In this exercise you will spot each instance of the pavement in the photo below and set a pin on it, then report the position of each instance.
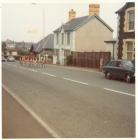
(75, 68)
(17, 122)
(74, 103)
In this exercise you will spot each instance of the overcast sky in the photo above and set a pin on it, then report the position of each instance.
(24, 21)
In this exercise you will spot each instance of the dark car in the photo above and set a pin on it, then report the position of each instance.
(120, 69)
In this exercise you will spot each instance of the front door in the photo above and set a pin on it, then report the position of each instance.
(61, 57)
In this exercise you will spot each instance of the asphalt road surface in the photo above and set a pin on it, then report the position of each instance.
(17, 122)
(73, 103)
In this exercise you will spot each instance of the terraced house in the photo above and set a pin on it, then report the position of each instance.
(82, 34)
(126, 32)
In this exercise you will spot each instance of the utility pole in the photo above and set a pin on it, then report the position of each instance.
(43, 25)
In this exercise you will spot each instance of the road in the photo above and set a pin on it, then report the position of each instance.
(73, 103)
(17, 122)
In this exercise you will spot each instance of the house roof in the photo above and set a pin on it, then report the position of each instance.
(122, 9)
(23, 45)
(76, 23)
(46, 43)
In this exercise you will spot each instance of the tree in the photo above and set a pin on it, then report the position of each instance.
(32, 49)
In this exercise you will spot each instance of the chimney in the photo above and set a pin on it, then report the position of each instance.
(94, 9)
(72, 14)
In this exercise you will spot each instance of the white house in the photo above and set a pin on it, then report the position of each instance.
(82, 34)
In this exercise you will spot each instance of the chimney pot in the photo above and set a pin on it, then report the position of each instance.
(72, 14)
(94, 9)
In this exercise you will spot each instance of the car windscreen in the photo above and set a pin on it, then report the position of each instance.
(112, 63)
(129, 64)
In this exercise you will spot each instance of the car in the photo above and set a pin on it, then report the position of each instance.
(11, 59)
(120, 69)
(4, 59)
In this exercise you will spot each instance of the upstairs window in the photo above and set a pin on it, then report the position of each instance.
(131, 19)
(68, 38)
(62, 38)
(57, 38)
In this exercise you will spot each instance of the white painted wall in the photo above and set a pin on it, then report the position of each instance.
(70, 46)
(91, 36)
(14, 53)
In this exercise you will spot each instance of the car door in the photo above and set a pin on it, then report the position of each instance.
(119, 69)
(113, 68)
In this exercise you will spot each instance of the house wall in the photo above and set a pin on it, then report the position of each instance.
(60, 50)
(123, 32)
(10, 45)
(91, 37)
(14, 53)
(71, 46)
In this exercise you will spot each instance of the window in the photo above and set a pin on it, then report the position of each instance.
(57, 38)
(119, 64)
(112, 63)
(131, 20)
(130, 50)
(68, 38)
(129, 46)
(62, 38)
(129, 63)
(129, 55)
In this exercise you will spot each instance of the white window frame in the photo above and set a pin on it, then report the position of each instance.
(68, 38)
(133, 47)
(129, 51)
(57, 38)
(126, 27)
(128, 14)
(62, 38)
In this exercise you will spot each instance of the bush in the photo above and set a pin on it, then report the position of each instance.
(21, 52)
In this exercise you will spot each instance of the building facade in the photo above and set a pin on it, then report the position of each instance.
(126, 32)
(82, 34)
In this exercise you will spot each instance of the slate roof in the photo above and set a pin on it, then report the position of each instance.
(76, 23)
(23, 45)
(46, 43)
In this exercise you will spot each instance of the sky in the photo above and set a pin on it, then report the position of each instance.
(26, 21)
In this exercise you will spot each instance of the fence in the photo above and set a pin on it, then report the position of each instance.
(33, 61)
(88, 59)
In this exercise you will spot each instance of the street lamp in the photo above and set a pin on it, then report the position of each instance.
(43, 24)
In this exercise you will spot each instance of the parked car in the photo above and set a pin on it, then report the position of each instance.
(4, 59)
(11, 59)
(121, 69)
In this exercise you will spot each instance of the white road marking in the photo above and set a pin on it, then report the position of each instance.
(75, 81)
(23, 68)
(33, 70)
(14, 66)
(125, 93)
(34, 115)
(8, 64)
(48, 74)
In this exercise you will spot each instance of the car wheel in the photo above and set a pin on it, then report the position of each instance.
(128, 78)
(108, 75)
